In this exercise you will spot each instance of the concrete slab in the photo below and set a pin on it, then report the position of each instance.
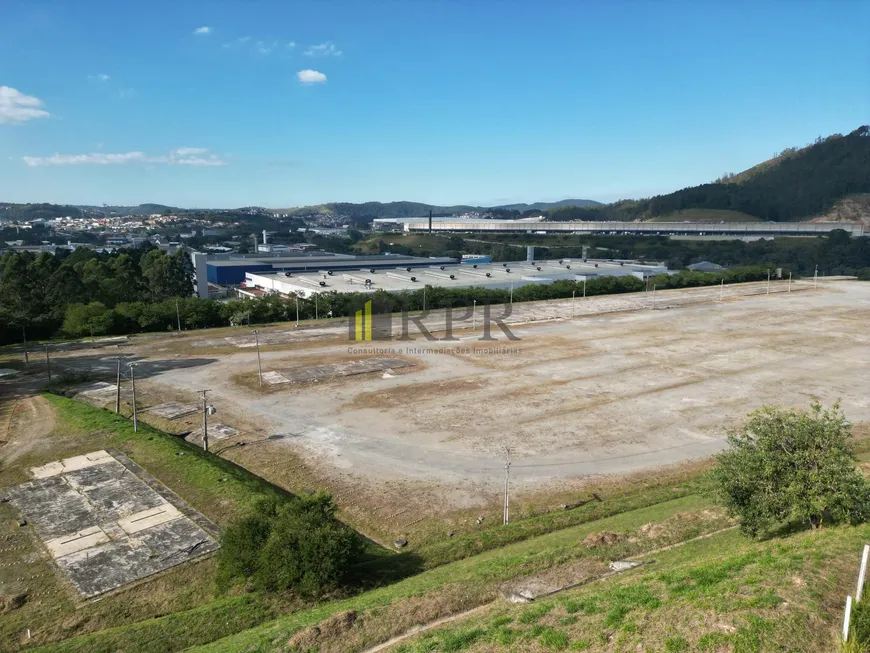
(221, 431)
(275, 378)
(71, 464)
(345, 368)
(94, 388)
(104, 525)
(75, 542)
(173, 410)
(116, 563)
(147, 518)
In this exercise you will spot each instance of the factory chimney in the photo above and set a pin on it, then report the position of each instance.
(430, 221)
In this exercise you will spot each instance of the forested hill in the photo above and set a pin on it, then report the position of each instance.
(369, 210)
(795, 185)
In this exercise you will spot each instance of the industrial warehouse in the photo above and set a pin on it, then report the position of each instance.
(415, 273)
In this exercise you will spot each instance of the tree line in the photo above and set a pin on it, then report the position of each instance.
(39, 292)
(98, 319)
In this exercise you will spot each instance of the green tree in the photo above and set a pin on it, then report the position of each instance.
(92, 319)
(295, 545)
(791, 466)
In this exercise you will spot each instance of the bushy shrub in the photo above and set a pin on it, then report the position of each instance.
(296, 545)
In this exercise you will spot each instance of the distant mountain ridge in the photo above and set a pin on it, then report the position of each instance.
(545, 206)
(830, 176)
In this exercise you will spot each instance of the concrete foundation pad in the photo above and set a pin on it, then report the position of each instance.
(345, 368)
(75, 542)
(95, 388)
(275, 378)
(106, 522)
(147, 518)
(71, 464)
(173, 410)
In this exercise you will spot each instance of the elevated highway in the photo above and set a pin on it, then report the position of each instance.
(736, 229)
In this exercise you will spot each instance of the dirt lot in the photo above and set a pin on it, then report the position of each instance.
(620, 388)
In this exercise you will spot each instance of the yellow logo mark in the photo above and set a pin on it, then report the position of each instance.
(363, 322)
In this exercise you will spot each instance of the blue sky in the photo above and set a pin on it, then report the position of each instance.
(290, 103)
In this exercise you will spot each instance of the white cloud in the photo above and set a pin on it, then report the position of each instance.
(326, 49)
(190, 156)
(15, 107)
(291, 44)
(311, 77)
(94, 158)
(102, 77)
(264, 47)
(126, 93)
(205, 29)
(187, 151)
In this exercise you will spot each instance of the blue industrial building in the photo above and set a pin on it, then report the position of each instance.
(231, 271)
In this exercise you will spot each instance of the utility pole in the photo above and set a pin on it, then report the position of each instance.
(722, 289)
(573, 312)
(473, 313)
(584, 287)
(507, 471)
(204, 421)
(654, 297)
(118, 388)
(26, 357)
(178, 314)
(815, 276)
(297, 311)
(48, 367)
(512, 293)
(133, 386)
(259, 365)
(424, 299)
(768, 282)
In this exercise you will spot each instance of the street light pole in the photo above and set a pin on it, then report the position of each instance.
(584, 287)
(507, 471)
(297, 311)
(789, 281)
(48, 367)
(204, 421)
(178, 314)
(133, 386)
(26, 357)
(573, 312)
(118, 388)
(815, 276)
(473, 313)
(259, 365)
(768, 282)
(316, 310)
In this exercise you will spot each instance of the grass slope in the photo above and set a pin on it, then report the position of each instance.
(480, 576)
(725, 593)
(52, 611)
